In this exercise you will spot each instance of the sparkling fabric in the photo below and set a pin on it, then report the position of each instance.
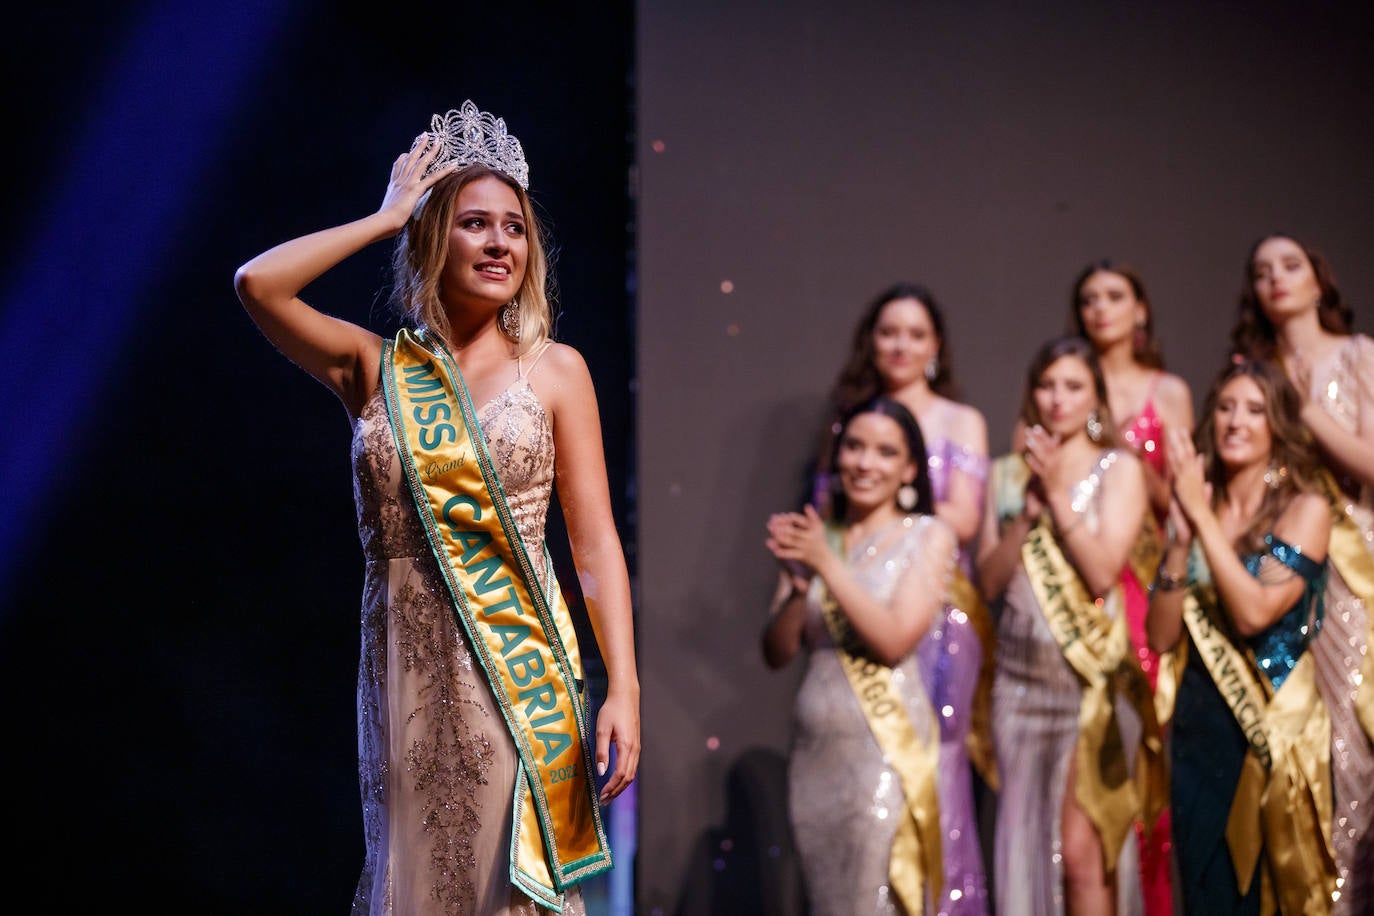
(1145, 434)
(950, 656)
(844, 800)
(1035, 705)
(1208, 748)
(437, 765)
(1344, 386)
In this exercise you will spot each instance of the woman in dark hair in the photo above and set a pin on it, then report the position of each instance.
(1110, 308)
(1072, 716)
(855, 595)
(1242, 579)
(901, 349)
(1292, 313)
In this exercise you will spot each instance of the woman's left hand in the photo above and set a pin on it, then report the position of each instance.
(617, 722)
(1185, 469)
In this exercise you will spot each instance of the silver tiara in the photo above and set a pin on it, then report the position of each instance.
(468, 136)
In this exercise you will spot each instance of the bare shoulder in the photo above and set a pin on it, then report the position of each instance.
(1173, 394)
(559, 375)
(966, 425)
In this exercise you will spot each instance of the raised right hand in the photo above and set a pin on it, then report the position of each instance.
(411, 178)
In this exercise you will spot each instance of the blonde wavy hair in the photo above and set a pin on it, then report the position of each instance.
(422, 250)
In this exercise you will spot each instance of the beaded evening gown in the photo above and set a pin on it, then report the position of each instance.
(844, 801)
(950, 658)
(437, 765)
(1035, 706)
(1208, 748)
(1343, 385)
(1145, 434)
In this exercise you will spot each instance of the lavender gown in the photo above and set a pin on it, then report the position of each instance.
(950, 656)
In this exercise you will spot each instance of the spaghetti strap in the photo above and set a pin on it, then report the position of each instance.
(520, 371)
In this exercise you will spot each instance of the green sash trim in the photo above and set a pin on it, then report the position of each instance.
(915, 863)
(525, 643)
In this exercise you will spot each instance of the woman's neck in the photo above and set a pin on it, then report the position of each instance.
(1302, 333)
(861, 523)
(1243, 497)
(1118, 359)
(917, 396)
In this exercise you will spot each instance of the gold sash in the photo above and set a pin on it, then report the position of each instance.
(1282, 804)
(1098, 648)
(964, 596)
(525, 642)
(917, 859)
(1349, 555)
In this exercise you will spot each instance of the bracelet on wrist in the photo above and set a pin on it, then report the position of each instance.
(1165, 582)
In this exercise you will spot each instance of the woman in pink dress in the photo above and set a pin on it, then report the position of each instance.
(1110, 308)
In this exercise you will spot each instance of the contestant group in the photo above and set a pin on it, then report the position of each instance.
(1135, 648)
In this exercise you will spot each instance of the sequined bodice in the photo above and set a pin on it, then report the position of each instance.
(944, 457)
(1145, 434)
(1278, 647)
(519, 439)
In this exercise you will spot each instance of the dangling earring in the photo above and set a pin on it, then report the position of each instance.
(906, 497)
(1094, 427)
(1139, 341)
(933, 369)
(509, 319)
(1275, 476)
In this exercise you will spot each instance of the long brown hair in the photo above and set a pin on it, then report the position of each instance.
(1253, 335)
(422, 250)
(1293, 454)
(1049, 354)
(1145, 348)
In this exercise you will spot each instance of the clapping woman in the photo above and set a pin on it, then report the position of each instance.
(1242, 583)
(855, 595)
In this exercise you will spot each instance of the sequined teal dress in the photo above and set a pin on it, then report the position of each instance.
(1209, 747)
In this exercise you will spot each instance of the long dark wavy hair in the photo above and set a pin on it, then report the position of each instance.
(1293, 451)
(1253, 336)
(1049, 354)
(1145, 347)
(859, 380)
(915, 443)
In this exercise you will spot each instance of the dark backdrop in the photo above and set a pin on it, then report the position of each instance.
(181, 569)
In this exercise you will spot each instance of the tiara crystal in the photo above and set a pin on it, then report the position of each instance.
(468, 136)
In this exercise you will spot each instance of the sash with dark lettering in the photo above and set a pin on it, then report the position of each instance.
(1098, 648)
(1281, 809)
(524, 640)
(1349, 555)
(916, 860)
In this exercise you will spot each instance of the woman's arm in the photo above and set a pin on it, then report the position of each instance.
(1164, 619)
(964, 495)
(341, 355)
(782, 635)
(1349, 452)
(1254, 604)
(564, 385)
(999, 548)
(1100, 555)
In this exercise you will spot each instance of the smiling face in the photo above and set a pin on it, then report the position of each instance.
(1064, 396)
(1108, 308)
(488, 248)
(1241, 425)
(874, 462)
(1284, 280)
(904, 342)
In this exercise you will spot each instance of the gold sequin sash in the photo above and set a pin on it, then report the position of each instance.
(1098, 649)
(1349, 555)
(525, 642)
(1281, 810)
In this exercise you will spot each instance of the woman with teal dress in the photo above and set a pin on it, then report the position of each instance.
(1239, 593)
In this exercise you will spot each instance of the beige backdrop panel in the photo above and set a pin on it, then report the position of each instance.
(803, 156)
